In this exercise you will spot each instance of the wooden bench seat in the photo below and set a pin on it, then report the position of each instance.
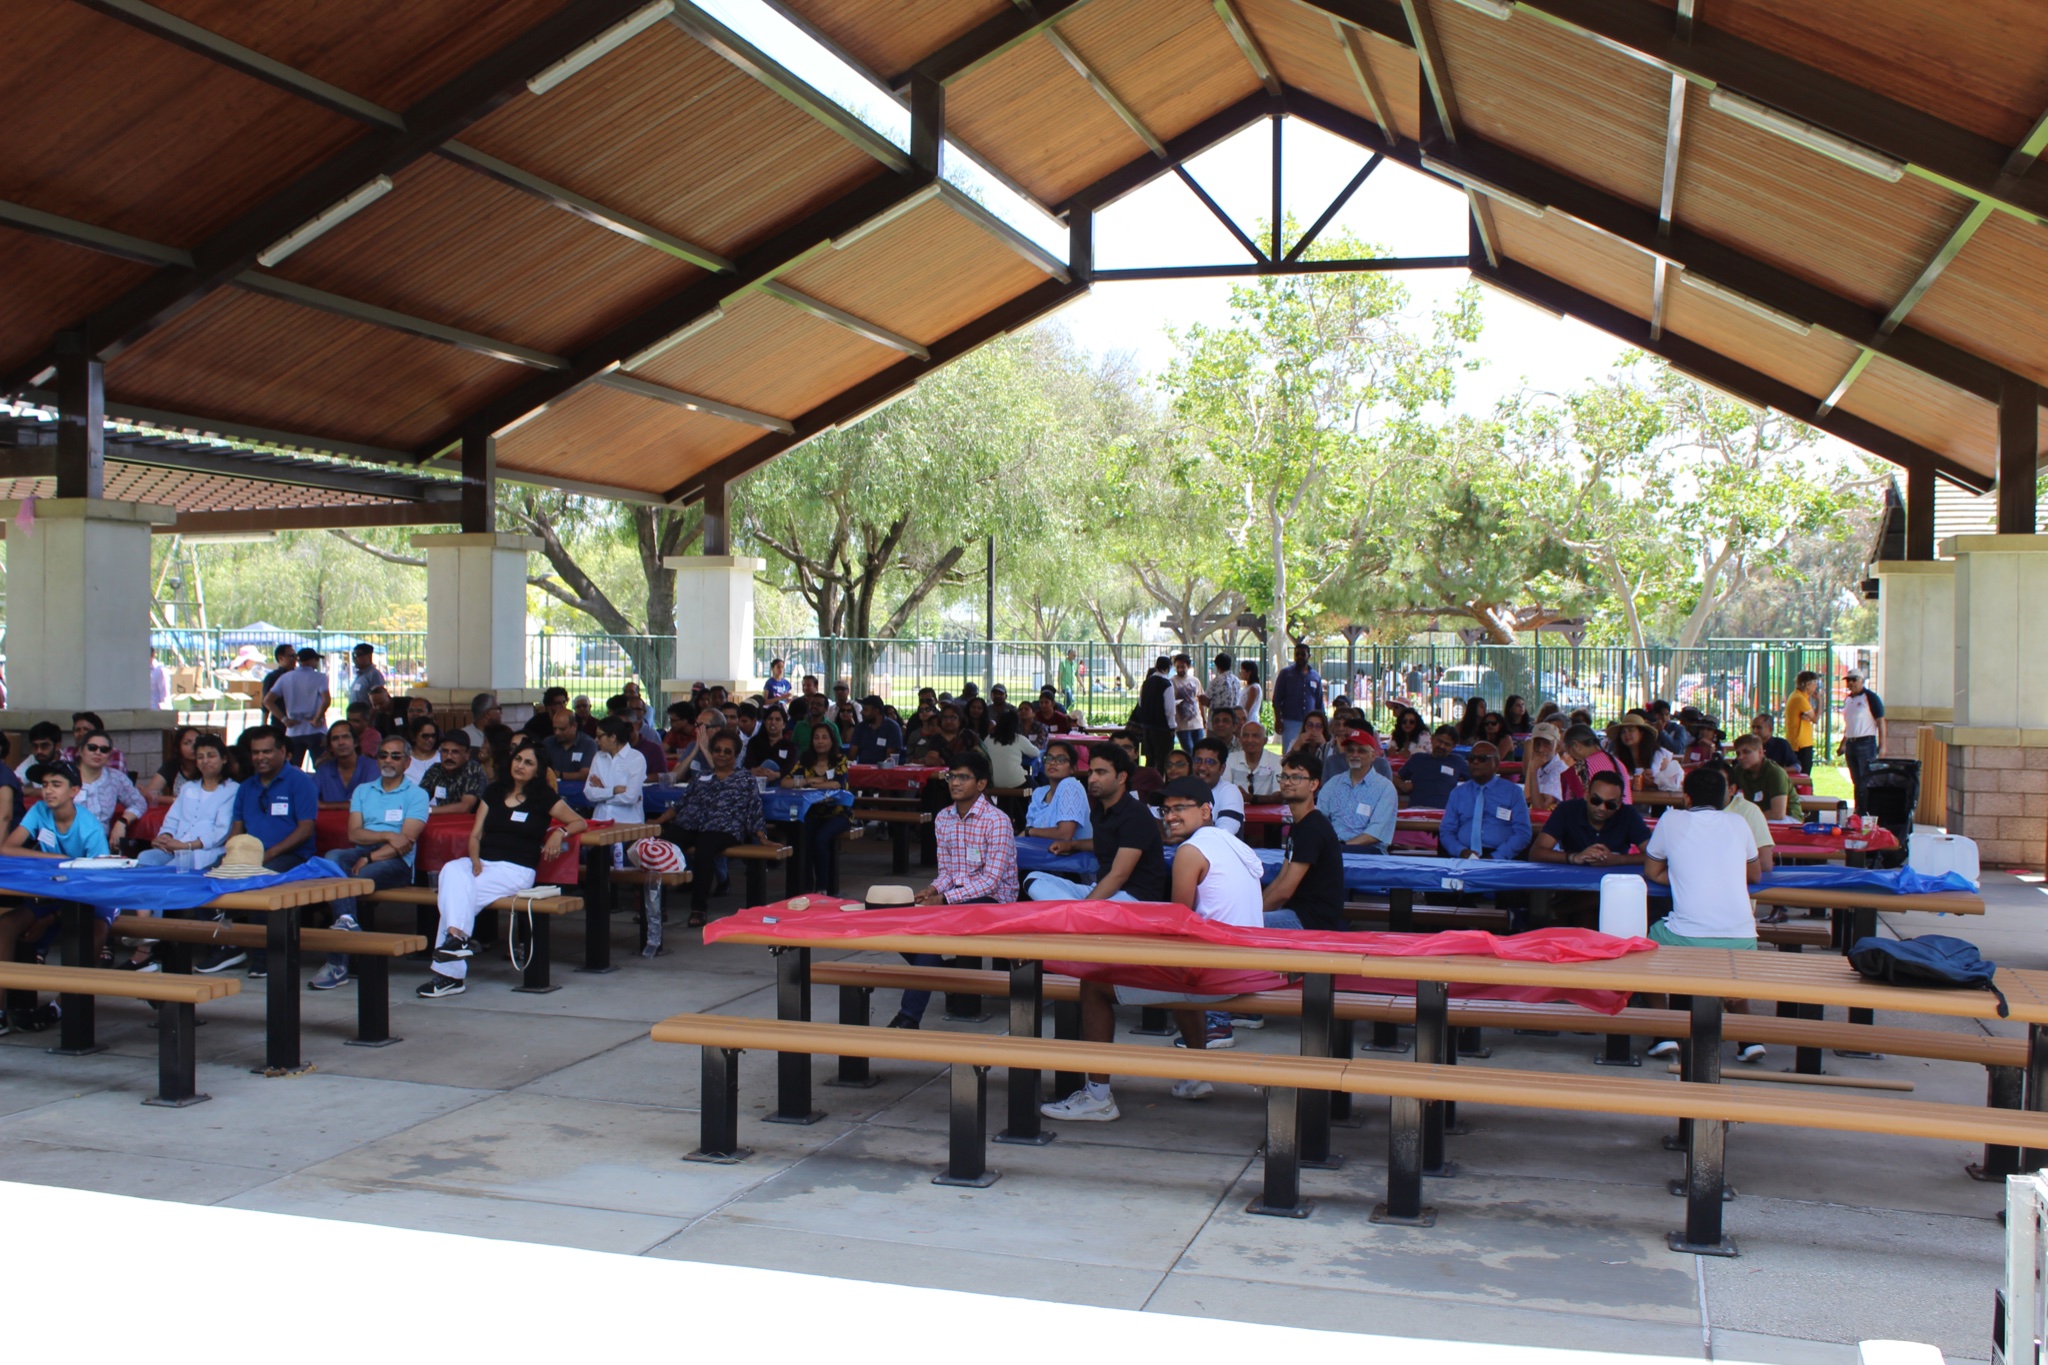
(901, 821)
(1410, 1085)
(372, 969)
(177, 1077)
(535, 973)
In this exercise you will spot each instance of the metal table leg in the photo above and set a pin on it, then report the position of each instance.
(1408, 1119)
(281, 996)
(1027, 1020)
(718, 1111)
(2036, 1089)
(75, 1029)
(967, 1130)
(1318, 1021)
(793, 1069)
(853, 1013)
(597, 909)
(1281, 1195)
(1433, 1045)
(1706, 1148)
(2006, 1089)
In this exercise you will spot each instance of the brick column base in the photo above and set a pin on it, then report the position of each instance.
(1998, 796)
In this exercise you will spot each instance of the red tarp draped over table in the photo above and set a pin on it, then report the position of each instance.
(823, 918)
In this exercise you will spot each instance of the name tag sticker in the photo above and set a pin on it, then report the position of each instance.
(440, 793)
(1502, 813)
(1365, 810)
(47, 839)
(394, 815)
(519, 817)
(1446, 771)
(280, 808)
(1454, 883)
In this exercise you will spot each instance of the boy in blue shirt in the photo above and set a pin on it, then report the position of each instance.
(55, 829)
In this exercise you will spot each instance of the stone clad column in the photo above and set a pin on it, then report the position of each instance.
(714, 622)
(78, 599)
(476, 620)
(1998, 737)
(1916, 658)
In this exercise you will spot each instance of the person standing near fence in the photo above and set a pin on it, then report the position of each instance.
(1155, 712)
(1862, 731)
(364, 675)
(1068, 677)
(1297, 690)
(1800, 710)
(1187, 703)
(302, 697)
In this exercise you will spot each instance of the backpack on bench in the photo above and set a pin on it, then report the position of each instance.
(1929, 960)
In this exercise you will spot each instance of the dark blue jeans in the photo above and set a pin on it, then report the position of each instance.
(915, 1002)
(1859, 753)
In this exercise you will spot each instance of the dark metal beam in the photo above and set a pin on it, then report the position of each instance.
(585, 208)
(1920, 510)
(1711, 367)
(1383, 17)
(1103, 91)
(261, 519)
(2019, 455)
(1376, 101)
(1243, 238)
(1214, 272)
(1964, 162)
(889, 384)
(1436, 72)
(479, 482)
(1474, 162)
(716, 497)
(1308, 239)
(429, 122)
(36, 458)
(988, 41)
(1137, 173)
(91, 236)
(668, 316)
(81, 420)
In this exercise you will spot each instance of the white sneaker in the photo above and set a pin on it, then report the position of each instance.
(1664, 1047)
(1253, 1021)
(1754, 1052)
(1081, 1107)
(1192, 1090)
(347, 924)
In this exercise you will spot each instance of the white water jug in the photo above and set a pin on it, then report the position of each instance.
(1624, 905)
(1933, 854)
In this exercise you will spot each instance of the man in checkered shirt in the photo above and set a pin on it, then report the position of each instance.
(977, 861)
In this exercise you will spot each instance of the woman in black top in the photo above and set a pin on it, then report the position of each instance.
(772, 743)
(520, 823)
(161, 787)
(1469, 723)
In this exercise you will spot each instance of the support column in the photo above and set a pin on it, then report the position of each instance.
(717, 518)
(1997, 743)
(714, 617)
(81, 421)
(479, 484)
(2019, 454)
(476, 614)
(78, 597)
(1916, 657)
(1920, 511)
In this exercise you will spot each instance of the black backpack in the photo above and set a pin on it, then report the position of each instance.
(1929, 960)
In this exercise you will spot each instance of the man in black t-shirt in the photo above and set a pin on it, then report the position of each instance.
(1596, 830)
(1129, 862)
(1309, 892)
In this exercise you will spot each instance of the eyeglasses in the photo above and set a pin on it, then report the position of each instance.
(1294, 777)
(1178, 808)
(1604, 805)
(99, 748)
(961, 777)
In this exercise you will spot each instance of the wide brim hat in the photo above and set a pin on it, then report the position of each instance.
(241, 856)
(1639, 720)
(883, 896)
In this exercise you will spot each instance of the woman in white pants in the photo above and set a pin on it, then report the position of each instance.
(520, 823)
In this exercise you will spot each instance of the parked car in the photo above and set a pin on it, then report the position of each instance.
(1570, 696)
(1461, 682)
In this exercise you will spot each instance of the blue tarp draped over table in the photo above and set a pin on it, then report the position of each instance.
(140, 888)
(1380, 872)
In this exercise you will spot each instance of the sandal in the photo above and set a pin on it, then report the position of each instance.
(696, 920)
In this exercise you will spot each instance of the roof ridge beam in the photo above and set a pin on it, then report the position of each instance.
(429, 121)
(1711, 367)
(898, 379)
(1136, 173)
(1493, 167)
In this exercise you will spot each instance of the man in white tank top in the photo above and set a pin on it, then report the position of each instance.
(1217, 876)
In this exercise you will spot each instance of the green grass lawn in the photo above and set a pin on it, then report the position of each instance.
(1831, 779)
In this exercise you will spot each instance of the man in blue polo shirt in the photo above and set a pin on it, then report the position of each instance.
(877, 738)
(385, 821)
(1487, 816)
(277, 805)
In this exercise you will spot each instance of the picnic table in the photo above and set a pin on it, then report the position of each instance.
(1833, 841)
(908, 777)
(1706, 975)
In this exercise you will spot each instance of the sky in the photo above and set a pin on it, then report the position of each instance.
(1401, 211)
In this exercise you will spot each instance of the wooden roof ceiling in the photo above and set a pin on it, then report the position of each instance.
(680, 261)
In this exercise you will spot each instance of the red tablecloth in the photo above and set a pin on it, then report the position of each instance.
(874, 777)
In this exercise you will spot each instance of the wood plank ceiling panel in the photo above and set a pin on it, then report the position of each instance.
(1945, 420)
(390, 52)
(1805, 213)
(1172, 61)
(111, 126)
(890, 36)
(770, 357)
(1583, 109)
(1811, 363)
(604, 436)
(1585, 259)
(1993, 298)
(923, 276)
(1035, 117)
(247, 358)
(455, 247)
(1982, 64)
(669, 132)
(46, 285)
(1309, 56)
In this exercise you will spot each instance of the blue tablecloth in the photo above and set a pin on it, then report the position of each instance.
(140, 888)
(656, 799)
(1382, 872)
(780, 804)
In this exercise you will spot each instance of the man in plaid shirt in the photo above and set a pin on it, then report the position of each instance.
(977, 861)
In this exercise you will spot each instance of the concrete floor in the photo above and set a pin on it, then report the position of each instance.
(554, 1119)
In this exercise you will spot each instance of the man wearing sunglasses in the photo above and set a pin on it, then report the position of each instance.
(977, 861)
(1595, 830)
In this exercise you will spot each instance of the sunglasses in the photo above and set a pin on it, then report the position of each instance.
(99, 748)
(1615, 804)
